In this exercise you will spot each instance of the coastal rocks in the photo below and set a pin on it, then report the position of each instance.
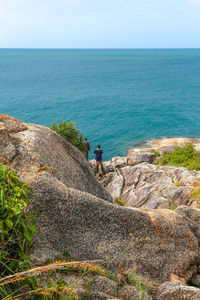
(168, 144)
(111, 166)
(192, 217)
(119, 162)
(114, 184)
(177, 290)
(34, 149)
(181, 175)
(154, 242)
(7, 149)
(136, 156)
(11, 125)
(78, 216)
(139, 182)
(148, 185)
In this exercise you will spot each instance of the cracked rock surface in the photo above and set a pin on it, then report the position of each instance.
(146, 184)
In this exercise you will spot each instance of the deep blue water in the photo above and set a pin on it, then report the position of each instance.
(117, 98)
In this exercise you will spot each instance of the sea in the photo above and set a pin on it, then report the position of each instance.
(118, 98)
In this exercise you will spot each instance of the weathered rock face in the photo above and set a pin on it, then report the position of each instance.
(136, 156)
(192, 217)
(148, 185)
(93, 229)
(177, 290)
(33, 149)
(139, 182)
(78, 216)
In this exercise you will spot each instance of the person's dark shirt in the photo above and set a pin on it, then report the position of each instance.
(87, 146)
(98, 154)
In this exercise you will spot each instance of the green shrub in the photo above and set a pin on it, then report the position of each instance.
(185, 156)
(68, 131)
(157, 153)
(16, 226)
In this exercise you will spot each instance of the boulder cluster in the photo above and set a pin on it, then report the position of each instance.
(78, 216)
(138, 181)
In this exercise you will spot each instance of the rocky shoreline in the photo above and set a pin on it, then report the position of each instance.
(78, 216)
(138, 181)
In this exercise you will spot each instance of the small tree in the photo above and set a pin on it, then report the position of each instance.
(68, 131)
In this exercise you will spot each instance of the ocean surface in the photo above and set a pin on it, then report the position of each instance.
(117, 98)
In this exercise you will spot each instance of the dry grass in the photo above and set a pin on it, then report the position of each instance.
(58, 265)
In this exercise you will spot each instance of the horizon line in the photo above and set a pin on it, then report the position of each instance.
(52, 48)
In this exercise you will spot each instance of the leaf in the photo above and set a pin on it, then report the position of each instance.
(32, 228)
(2, 195)
(28, 235)
(9, 223)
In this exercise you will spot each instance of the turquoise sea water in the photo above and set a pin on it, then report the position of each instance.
(118, 98)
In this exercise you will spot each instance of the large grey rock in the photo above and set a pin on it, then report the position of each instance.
(93, 229)
(192, 217)
(119, 162)
(177, 290)
(182, 175)
(114, 184)
(136, 156)
(35, 149)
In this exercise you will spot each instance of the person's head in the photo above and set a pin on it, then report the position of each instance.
(98, 147)
(85, 140)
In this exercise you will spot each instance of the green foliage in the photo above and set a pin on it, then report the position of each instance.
(119, 201)
(157, 153)
(68, 131)
(182, 157)
(16, 226)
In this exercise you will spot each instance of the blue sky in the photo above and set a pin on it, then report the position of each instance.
(99, 23)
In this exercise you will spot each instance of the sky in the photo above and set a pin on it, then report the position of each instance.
(99, 23)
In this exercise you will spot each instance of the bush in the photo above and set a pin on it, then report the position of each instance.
(16, 226)
(68, 131)
(185, 156)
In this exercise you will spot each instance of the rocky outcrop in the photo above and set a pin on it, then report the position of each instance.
(136, 156)
(168, 144)
(177, 290)
(192, 217)
(90, 228)
(139, 182)
(36, 150)
(77, 214)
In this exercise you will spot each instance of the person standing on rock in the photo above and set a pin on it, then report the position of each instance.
(98, 152)
(87, 146)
